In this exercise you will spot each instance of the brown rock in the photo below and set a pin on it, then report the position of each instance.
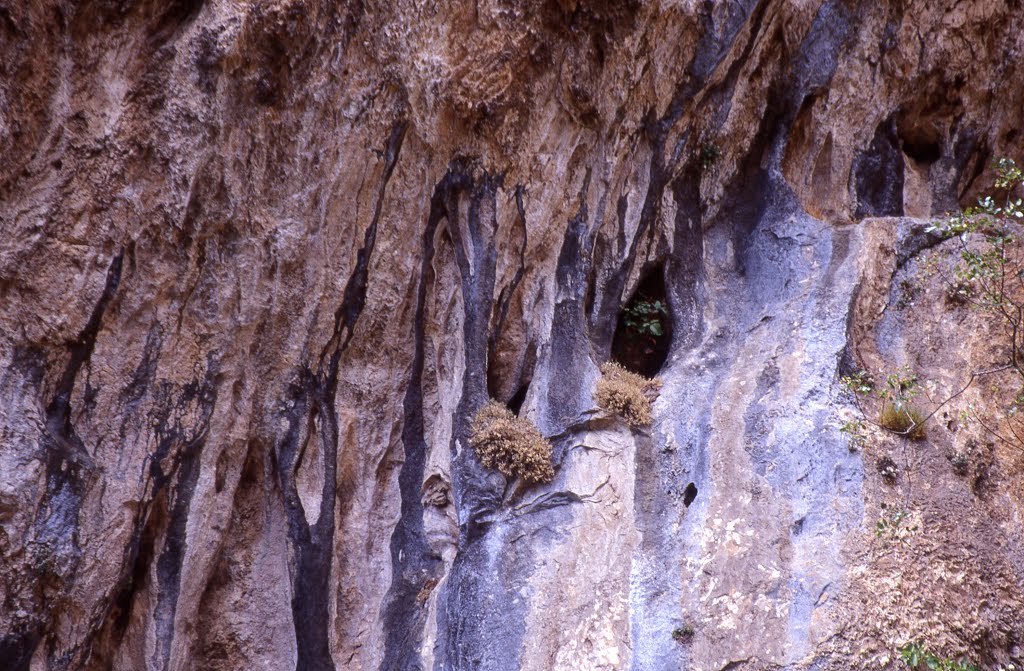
(261, 263)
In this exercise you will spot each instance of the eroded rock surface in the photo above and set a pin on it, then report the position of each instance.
(262, 261)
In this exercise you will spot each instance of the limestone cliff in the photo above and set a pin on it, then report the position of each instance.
(262, 260)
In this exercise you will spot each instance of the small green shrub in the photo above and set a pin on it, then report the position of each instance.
(903, 419)
(916, 656)
(895, 524)
(683, 634)
(626, 394)
(643, 317)
(511, 445)
(709, 155)
(859, 382)
(855, 431)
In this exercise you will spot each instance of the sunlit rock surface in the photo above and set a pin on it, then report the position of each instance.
(262, 261)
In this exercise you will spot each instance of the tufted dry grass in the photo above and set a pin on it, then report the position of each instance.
(626, 394)
(511, 445)
(906, 420)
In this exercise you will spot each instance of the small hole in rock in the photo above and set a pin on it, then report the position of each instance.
(643, 335)
(690, 494)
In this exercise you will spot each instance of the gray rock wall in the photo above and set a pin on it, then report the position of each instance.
(261, 262)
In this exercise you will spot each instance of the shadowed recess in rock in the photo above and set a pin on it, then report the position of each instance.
(643, 335)
(690, 494)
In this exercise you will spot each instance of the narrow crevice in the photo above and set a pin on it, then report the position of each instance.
(515, 404)
(505, 296)
(603, 317)
(878, 174)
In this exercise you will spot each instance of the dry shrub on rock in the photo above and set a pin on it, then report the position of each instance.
(626, 394)
(903, 420)
(511, 445)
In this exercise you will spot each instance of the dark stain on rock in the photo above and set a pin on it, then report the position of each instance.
(411, 559)
(68, 468)
(311, 415)
(355, 289)
(878, 174)
(175, 18)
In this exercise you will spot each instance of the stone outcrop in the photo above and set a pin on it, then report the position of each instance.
(262, 262)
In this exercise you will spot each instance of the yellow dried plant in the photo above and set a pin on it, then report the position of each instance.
(511, 445)
(626, 394)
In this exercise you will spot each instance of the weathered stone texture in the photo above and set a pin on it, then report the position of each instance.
(262, 260)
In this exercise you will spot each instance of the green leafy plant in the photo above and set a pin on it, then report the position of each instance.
(643, 317)
(859, 382)
(683, 634)
(895, 524)
(856, 432)
(709, 155)
(917, 656)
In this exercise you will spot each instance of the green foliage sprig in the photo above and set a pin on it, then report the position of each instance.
(916, 656)
(643, 317)
(897, 413)
(895, 524)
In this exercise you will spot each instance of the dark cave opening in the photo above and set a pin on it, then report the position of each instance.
(643, 334)
(690, 495)
(503, 378)
(922, 151)
(515, 404)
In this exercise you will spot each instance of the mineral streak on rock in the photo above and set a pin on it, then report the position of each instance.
(262, 261)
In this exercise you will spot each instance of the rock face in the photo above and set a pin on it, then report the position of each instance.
(262, 261)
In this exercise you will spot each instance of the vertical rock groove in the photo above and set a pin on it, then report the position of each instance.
(412, 563)
(263, 261)
(313, 416)
(69, 470)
